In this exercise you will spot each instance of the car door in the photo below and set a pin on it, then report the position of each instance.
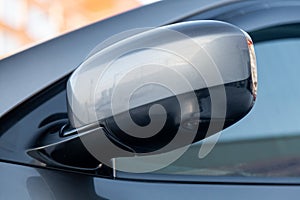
(235, 168)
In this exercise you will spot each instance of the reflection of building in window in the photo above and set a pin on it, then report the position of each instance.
(24, 22)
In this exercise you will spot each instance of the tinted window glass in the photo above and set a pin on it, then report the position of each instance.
(265, 142)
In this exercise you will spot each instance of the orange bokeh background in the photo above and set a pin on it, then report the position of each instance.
(26, 22)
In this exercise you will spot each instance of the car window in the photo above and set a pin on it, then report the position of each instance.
(266, 141)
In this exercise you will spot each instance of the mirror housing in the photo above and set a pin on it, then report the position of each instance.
(197, 77)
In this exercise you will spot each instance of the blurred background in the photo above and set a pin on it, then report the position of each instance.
(24, 23)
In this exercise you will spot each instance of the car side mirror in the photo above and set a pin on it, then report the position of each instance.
(162, 89)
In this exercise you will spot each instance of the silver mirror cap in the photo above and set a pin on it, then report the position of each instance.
(157, 64)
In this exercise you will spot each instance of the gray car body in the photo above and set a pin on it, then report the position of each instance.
(27, 73)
